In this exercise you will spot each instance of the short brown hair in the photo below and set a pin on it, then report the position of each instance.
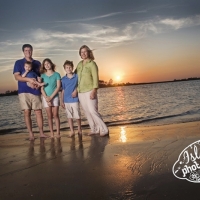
(28, 63)
(27, 46)
(70, 63)
(90, 53)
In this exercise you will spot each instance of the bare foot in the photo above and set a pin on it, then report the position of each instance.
(79, 132)
(104, 134)
(91, 133)
(71, 135)
(44, 136)
(58, 136)
(52, 135)
(31, 138)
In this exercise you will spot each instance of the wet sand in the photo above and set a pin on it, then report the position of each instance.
(134, 162)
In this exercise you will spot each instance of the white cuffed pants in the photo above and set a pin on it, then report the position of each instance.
(90, 107)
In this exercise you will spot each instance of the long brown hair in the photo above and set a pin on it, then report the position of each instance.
(90, 53)
(42, 68)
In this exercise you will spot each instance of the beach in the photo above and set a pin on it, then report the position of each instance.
(134, 162)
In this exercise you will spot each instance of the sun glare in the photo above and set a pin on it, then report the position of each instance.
(118, 78)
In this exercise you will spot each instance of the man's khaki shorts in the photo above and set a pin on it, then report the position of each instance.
(30, 101)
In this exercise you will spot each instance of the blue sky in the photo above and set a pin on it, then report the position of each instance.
(140, 41)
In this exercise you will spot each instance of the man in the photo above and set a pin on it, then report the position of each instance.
(30, 99)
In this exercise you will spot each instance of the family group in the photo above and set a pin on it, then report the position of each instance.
(39, 86)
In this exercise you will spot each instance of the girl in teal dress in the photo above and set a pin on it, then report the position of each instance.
(50, 94)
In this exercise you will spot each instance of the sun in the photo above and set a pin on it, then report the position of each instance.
(118, 78)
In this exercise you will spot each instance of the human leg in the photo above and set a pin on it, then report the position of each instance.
(37, 107)
(55, 110)
(79, 126)
(71, 126)
(28, 122)
(39, 119)
(50, 119)
(26, 106)
(84, 99)
(96, 116)
(77, 115)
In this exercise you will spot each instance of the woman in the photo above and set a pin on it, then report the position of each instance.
(88, 83)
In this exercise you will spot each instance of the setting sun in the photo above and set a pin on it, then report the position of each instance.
(118, 78)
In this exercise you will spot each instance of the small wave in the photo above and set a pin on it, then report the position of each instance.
(154, 119)
(11, 130)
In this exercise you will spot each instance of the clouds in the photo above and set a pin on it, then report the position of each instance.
(107, 36)
(99, 35)
(181, 23)
(68, 37)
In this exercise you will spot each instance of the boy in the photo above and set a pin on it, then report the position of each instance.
(31, 74)
(69, 99)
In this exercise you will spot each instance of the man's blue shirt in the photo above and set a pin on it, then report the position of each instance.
(69, 85)
(22, 86)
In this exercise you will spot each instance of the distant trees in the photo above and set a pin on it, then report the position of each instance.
(9, 93)
(110, 82)
(104, 83)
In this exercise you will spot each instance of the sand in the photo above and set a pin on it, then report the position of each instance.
(134, 162)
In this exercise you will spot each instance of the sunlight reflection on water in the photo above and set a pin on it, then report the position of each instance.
(161, 103)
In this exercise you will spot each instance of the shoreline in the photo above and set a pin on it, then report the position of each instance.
(15, 92)
(132, 163)
(147, 123)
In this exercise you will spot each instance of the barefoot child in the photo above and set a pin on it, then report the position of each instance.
(50, 94)
(69, 98)
(31, 74)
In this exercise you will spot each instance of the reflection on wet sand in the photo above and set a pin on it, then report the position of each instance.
(122, 137)
(97, 146)
(31, 149)
(55, 147)
(134, 163)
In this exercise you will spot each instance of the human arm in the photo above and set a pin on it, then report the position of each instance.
(39, 79)
(18, 77)
(24, 74)
(75, 93)
(62, 99)
(43, 92)
(95, 78)
(55, 91)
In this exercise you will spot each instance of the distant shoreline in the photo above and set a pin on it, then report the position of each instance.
(15, 92)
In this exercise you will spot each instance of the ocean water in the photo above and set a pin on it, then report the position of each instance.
(150, 104)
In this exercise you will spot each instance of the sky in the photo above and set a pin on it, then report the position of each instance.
(133, 41)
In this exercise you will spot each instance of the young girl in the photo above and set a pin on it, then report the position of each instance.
(50, 91)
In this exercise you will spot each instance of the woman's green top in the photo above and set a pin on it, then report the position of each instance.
(88, 77)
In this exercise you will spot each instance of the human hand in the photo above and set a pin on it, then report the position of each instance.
(93, 94)
(48, 99)
(32, 80)
(39, 79)
(49, 103)
(33, 86)
(62, 105)
(74, 93)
